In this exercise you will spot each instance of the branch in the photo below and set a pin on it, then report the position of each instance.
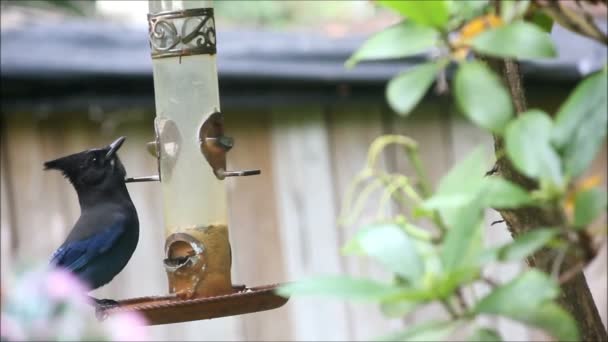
(576, 297)
(461, 301)
(448, 307)
(489, 281)
(571, 273)
(579, 22)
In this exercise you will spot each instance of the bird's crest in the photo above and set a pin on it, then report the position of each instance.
(90, 167)
(64, 164)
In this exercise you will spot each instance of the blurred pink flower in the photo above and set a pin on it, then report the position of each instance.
(10, 328)
(127, 326)
(47, 304)
(61, 284)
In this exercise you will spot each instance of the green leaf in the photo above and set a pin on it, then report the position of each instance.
(488, 255)
(526, 292)
(445, 285)
(397, 309)
(528, 147)
(448, 201)
(416, 232)
(580, 105)
(433, 13)
(407, 89)
(543, 21)
(412, 295)
(342, 287)
(485, 335)
(396, 41)
(580, 123)
(494, 192)
(526, 244)
(427, 331)
(517, 40)
(464, 240)
(68, 5)
(465, 10)
(463, 178)
(466, 175)
(499, 193)
(511, 10)
(481, 96)
(392, 247)
(551, 318)
(527, 299)
(588, 205)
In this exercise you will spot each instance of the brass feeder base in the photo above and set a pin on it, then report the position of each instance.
(171, 309)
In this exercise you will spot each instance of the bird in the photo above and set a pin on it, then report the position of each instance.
(106, 234)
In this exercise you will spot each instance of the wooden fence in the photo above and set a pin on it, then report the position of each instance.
(282, 223)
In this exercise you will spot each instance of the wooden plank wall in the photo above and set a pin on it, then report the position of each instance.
(283, 223)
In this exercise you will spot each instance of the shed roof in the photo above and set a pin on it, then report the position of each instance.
(82, 64)
(84, 48)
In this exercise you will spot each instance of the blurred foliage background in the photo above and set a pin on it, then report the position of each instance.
(332, 17)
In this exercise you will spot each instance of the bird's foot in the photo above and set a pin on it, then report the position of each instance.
(106, 303)
(239, 288)
(101, 305)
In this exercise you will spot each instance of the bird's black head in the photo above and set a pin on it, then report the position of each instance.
(94, 168)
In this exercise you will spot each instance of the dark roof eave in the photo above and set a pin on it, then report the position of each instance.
(89, 49)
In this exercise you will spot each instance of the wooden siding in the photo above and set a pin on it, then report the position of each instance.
(283, 223)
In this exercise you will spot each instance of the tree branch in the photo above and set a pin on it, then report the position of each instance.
(576, 297)
(580, 21)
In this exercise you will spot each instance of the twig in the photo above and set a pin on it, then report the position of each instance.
(586, 244)
(492, 171)
(449, 308)
(474, 293)
(583, 25)
(496, 222)
(513, 77)
(557, 263)
(424, 184)
(571, 273)
(461, 301)
(388, 193)
(591, 22)
(489, 281)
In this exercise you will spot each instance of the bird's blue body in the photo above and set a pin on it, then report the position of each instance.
(99, 257)
(106, 234)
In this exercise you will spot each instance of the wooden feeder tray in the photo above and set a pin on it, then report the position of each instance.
(172, 309)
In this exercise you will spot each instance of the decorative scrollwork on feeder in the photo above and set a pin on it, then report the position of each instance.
(182, 33)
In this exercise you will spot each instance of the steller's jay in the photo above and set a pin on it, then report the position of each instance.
(106, 233)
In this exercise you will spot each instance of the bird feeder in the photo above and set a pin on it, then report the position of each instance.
(190, 148)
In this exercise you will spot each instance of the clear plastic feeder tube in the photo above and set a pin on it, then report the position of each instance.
(182, 42)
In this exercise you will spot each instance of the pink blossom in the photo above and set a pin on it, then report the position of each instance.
(10, 329)
(127, 326)
(51, 304)
(61, 284)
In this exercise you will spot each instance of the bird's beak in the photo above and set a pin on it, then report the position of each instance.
(114, 146)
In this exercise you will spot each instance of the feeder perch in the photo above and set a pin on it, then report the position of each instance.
(190, 148)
